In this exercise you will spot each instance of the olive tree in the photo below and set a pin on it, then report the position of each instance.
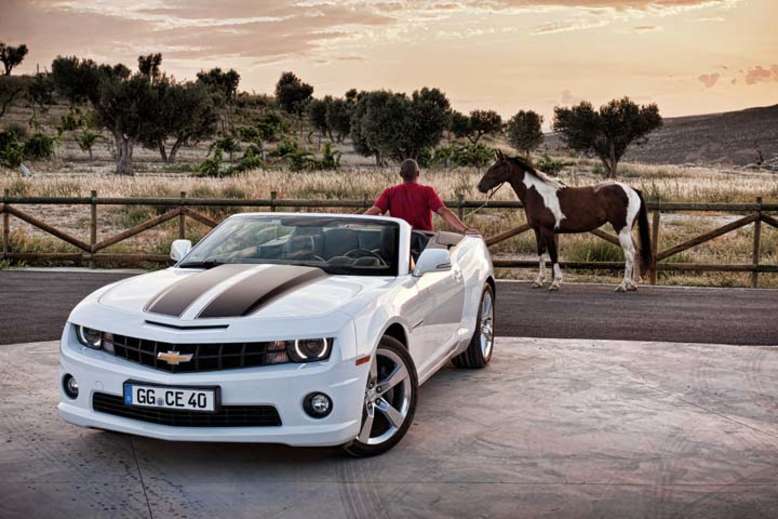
(123, 103)
(339, 113)
(524, 131)
(390, 125)
(183, 114)
(293, 95)
(317, 116)
(224, 83)
(606, 132)
(476, 125)
(11, 56)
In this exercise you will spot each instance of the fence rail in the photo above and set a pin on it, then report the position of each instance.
(182, 208)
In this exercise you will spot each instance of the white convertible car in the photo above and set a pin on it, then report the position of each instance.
(300, 329)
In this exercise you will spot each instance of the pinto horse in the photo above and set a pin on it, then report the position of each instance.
(553, 208)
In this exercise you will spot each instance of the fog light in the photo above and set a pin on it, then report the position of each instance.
(317, 405)
(70, 386)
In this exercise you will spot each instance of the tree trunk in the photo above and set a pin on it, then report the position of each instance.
(163, 151)
(124, 147)
(612, 162)
(90, 154)
(174, 150)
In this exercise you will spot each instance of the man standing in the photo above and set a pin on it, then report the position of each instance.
(414, 202)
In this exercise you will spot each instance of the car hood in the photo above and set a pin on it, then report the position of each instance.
(240, 291)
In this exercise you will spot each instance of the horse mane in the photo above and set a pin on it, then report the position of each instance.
(527, 167)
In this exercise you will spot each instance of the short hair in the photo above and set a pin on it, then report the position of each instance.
(409, 170)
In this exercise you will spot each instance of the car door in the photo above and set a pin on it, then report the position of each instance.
(437, 312)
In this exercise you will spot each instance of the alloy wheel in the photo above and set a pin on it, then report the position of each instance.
(487, 325)
(387, 398)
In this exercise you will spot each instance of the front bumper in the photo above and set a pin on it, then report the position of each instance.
(282, 386)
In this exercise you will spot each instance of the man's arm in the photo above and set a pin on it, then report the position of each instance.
(381, 205)
(450, 218)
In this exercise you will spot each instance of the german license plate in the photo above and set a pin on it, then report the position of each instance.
(170, 397)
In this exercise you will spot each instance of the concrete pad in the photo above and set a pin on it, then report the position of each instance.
(553, 428)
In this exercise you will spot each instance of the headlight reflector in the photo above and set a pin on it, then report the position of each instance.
(309, 350)
(89, 337)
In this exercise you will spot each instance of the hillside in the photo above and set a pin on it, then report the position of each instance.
(729, 138)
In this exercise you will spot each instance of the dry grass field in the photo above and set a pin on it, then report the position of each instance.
(354, 182)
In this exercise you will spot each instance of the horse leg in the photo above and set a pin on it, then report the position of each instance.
(538, 283)
(628, 246)
(548, 236)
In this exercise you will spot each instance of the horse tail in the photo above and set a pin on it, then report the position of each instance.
(646, 256)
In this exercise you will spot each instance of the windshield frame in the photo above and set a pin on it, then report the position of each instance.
(397, 268)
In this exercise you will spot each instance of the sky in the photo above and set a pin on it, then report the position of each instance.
(688, 56)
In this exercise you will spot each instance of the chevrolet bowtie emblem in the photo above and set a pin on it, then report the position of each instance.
(173, 357)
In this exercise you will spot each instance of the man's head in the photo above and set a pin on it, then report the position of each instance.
(409, 170)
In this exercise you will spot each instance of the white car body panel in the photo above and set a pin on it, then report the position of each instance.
(437, 313)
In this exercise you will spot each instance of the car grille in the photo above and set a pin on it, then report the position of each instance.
(226, 416)
(205, 356)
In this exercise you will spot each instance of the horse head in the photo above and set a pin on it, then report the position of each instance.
(501, 171)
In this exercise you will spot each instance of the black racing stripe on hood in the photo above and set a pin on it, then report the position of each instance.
(259, 289)
(176, 298)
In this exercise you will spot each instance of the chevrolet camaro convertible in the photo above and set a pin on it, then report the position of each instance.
(299, 329)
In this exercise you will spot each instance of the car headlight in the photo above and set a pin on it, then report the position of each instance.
(94, 339)
(89, 337)
(309, 350)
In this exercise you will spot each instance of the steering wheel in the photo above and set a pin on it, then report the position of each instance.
(363, 253)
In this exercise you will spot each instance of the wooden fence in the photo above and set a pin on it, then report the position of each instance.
(182, 208)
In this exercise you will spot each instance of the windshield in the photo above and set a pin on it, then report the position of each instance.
(351, 246)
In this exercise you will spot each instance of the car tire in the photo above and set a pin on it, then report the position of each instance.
(390, 362)
(479, 351)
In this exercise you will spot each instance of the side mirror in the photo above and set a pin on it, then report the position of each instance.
(432, 260)
(179, 249)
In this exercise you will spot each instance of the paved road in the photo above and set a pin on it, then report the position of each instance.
(552, 428)
(34, 306)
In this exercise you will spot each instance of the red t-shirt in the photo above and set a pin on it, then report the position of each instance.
(412, 202)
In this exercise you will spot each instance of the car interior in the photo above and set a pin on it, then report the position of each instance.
(346, 246)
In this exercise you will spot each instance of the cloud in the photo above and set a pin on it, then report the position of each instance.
(567, 26)
(568, 98)
(110, 30)
(760, 74)
(709, 80)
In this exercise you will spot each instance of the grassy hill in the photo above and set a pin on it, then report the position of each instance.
(729, 138)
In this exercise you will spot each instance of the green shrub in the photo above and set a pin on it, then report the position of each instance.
(11, 149)
(462, 155)
(252, 159)
(548, 164)
(297, 158)
(330, 158)
(39, 147)
(212, 166)
(227, 144)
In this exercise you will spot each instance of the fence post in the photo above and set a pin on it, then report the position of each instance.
(365, 202)
(273, 195)
(461, 206)
(6, 227)
(654, 245)
(182, 219)
(92, 228)
(757, 240)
